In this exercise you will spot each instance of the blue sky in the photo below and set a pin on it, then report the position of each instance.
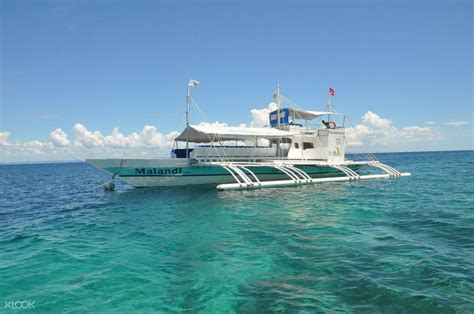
(125, 64)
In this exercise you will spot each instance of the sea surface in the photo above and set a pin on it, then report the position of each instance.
(394, 246)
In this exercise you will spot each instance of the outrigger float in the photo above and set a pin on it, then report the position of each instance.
(298, 147)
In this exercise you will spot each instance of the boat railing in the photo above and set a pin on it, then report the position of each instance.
(226, 152)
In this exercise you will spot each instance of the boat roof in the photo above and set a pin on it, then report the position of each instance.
(212, 133)
(296, 113)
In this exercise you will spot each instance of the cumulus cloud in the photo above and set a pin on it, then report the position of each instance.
(4, 136)
(23, 151)
(375, 130)
(355, 135)
(119, 140)
(376, 122)
(86, 138)
(147, 143)
(35, 144)
(59, 138)
(148, 137)
(260, 116)
(151, 138)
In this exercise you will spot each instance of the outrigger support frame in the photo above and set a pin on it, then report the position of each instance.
(389, 170)
(296, 175)
(348, 171)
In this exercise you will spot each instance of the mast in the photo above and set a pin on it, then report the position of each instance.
(188, 101)
(191, 83)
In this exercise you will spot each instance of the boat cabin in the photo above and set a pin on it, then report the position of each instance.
(292, 134)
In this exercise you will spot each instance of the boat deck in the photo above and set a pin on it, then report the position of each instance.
(294, 162)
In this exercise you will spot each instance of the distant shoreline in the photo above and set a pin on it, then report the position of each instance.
(348, 153)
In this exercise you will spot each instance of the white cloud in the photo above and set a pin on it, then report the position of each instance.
(4, 138)
(260, 116)
(374, 131)
(86, 138)
(23, 151)
(430, 122)
(355, 136)
(148, 137)
(147, 143)
(456, 123)
(59, 138)
(34, 144)
(416, 133)
(381, 132)
(118, 140)
(217, 123)
(151, 138)
(375, 121)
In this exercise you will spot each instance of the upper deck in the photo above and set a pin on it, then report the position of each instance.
(289, 136)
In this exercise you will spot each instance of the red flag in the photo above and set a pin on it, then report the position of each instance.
(331, 92)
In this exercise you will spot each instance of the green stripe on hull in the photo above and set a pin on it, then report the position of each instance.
(211, 171)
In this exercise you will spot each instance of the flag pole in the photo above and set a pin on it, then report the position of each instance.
(188, 100)
(329, 106)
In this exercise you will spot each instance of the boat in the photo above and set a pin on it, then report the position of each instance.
(296, 147)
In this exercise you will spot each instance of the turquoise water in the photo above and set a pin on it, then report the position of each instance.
(401, 245)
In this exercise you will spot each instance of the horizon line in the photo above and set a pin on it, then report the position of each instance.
(71, 161)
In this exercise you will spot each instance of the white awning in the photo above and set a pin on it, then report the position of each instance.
(212, 133)
(308, 115)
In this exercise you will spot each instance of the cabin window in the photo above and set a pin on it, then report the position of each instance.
(297, 146)
(307, 145)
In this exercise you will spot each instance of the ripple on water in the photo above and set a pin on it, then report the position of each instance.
(376, 246)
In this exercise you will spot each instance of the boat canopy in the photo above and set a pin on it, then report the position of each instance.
(213, 133)
(303, 114)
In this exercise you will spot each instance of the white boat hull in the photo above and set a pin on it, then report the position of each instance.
(181, 171)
